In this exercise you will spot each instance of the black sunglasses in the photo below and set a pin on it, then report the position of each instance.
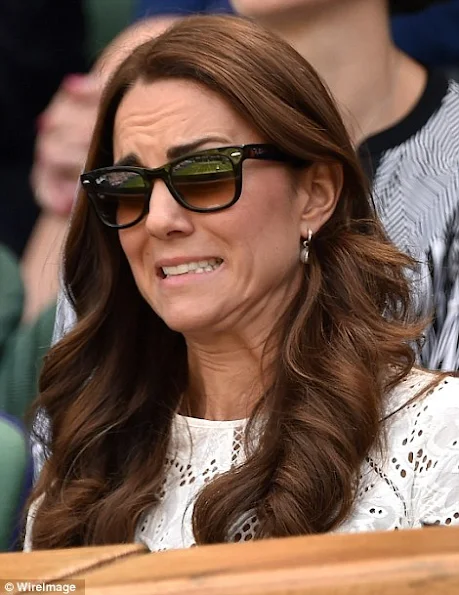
(203, 182)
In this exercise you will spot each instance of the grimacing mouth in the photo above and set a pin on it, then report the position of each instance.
(197, 267)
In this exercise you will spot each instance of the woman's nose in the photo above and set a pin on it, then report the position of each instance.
(166, 216)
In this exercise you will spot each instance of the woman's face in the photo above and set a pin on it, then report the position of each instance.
(257, 240)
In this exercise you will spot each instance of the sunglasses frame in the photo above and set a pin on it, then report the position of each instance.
(237, 155)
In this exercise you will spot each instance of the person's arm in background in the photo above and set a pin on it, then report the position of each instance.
(430, 36)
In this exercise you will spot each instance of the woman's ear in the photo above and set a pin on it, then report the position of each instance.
(318, 190)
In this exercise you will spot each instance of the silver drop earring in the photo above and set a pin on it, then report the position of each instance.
(304, 252)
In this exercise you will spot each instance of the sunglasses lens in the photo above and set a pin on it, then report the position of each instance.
(119, 196)
(205, 181)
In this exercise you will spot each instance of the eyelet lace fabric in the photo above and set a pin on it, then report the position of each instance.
(415, 483)
(200, 449)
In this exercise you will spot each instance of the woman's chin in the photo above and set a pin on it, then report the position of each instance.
(197, 322)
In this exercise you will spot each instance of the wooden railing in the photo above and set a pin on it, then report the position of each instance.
(419, 562)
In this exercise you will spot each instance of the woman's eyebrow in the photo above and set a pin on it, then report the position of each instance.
(173, 152)
(130, 159)
(185, 149)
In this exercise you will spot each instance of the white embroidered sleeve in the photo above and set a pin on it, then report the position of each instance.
(435, 492)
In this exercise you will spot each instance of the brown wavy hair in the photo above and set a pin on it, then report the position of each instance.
(111, 386)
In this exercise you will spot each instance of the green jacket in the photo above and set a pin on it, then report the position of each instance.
(22, 346)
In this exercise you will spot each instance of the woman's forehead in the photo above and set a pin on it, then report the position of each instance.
(175, 111)
(174, 102)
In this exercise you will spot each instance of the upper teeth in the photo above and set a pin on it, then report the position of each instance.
(200, 266)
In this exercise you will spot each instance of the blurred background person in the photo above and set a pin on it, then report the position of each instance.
(431, 36)
(32, 64)
(41, 41)
(44, 44)
(101, 21)
(404, 120)
(22, 348)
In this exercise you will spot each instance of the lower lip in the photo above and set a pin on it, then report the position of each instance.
(176, 280)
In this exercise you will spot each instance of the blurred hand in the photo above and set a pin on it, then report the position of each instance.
(64, 134)
(65, 127)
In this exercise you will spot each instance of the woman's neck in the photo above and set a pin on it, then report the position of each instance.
(349, 43)
(224, 378)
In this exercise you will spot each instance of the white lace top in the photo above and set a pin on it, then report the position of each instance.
(417, 483)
